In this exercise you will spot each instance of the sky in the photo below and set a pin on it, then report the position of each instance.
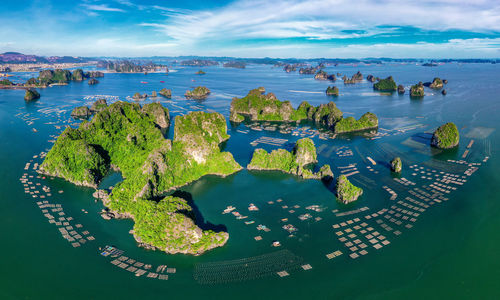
(253, 28)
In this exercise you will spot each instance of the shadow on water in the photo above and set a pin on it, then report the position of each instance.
(422, 137)
(199, 220)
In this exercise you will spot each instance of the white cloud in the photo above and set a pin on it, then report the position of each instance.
(326, 19)
(102, 7)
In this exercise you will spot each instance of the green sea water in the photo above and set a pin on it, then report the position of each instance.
(450, 252)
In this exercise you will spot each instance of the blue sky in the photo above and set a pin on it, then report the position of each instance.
(253, 28)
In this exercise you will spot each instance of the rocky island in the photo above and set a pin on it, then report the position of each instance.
(81, 112)
(322, 75)
(332, 91)
(295, 162)
(358, 77)
(417, 90)
(31, 95)
(446, 136)
(259, 106)
(346, 191)
(396, 165)
(127, 137)
(167, 93)
(436, 83)
(385, 85)
(350, 124)
(198, 93)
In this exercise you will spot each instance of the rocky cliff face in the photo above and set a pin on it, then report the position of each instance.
(446, 136)
(159, 113)
(346, 191)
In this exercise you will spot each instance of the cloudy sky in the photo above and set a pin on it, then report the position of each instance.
(253, 28)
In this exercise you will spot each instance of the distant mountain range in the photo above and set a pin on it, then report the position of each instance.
(19, 58)
(16, 57)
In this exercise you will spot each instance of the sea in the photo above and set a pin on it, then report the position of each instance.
(430, 232)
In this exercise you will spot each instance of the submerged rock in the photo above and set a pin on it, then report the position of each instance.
(446, 136)
(443, 92)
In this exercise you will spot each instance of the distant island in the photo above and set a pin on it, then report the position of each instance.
(235, 64)
(127, 66)
(198, 93)
(124, 130)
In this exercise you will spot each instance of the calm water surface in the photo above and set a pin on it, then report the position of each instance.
(450, 252)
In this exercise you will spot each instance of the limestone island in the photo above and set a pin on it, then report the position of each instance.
(436, 83)
(401, 89)
(385, 85)
(259, 106)
(346, 191)
(31, 95)
(126, 137)
(167, 93)
(396, 165)
(417, 90)
(446, 136)
(198, 93)
(322, 75)
(350, 124)
(358, 77)
(295, 162)
(332, 91)
(200, 72)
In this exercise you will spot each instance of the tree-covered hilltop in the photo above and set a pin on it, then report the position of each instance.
(127, 66)
(266, 107)
(31, 95)
(396, 165)
(386, 85)
(346, 191)
(295, 162)
(367, 121)
(332, 91)
(198, 93)
(446, 136)
(127, 137)
(417, 90)
(47, 77)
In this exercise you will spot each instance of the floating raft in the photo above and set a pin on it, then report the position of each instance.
(247, 268)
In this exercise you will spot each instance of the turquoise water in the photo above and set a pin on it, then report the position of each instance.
(450, 252)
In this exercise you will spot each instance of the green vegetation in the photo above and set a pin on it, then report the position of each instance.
(127, 137)
(396, 165)
(6, 82)
(446, 136)
(198, 93)
(99, 105)
(81, 112)
(346, 191)
(31, 95)
(295, 162)
(349, 124)
(386, 85)
(332, 91)
(417, 90)
(266, 107)
(436, 83)
(166, 93)
(78, 75)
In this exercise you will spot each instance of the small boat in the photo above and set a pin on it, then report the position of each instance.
(252, 207)
(162, 81)
(144, 82)
(228, 209)
(276, 244)
(249, 222)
